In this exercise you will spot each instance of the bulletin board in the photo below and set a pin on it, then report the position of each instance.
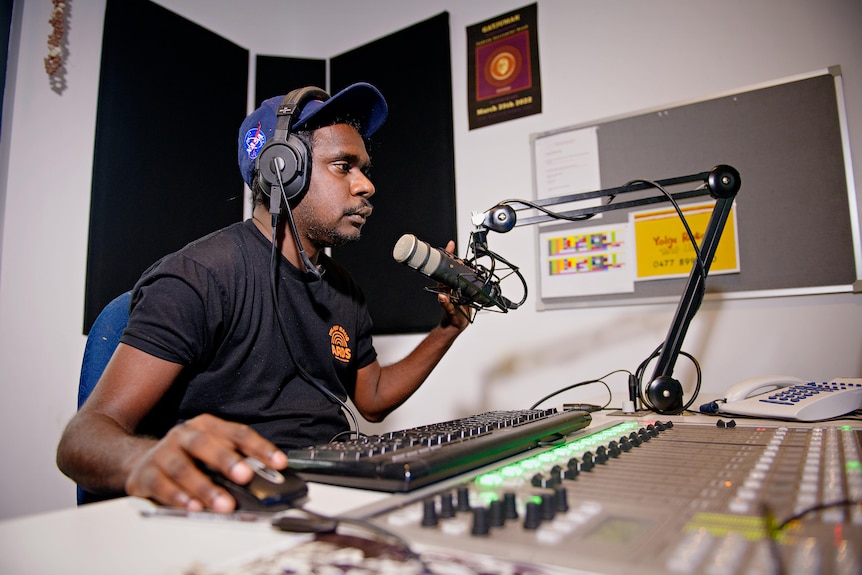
(796, 215)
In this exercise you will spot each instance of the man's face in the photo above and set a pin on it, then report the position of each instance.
(337, 204)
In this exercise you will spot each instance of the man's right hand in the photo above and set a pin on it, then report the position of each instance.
(102, 453)
(168, 472)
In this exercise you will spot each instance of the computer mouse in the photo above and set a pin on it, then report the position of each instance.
(269, 490)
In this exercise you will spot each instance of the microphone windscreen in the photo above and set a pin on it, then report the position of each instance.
(417, 254)
(404, 248)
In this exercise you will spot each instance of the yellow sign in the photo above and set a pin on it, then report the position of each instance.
(664, 247)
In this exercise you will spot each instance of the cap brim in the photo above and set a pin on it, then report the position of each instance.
(361, 103)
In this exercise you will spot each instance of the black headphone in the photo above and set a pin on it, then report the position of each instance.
(285, 157)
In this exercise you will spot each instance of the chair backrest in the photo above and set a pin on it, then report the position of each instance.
(102, 340)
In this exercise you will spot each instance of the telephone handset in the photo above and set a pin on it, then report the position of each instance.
(759, 385)
(789, 398)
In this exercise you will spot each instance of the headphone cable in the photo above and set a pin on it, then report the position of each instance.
(281, 324)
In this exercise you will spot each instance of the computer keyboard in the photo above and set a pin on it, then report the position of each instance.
(411, 458)
(803, 402)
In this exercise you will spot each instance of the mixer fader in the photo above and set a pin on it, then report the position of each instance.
(659, 498)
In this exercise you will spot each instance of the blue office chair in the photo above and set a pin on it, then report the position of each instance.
(102, 340)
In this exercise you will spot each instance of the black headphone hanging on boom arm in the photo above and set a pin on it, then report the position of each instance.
(285, 153)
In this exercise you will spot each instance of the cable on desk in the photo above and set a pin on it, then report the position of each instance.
(320, 523)
(580, 384)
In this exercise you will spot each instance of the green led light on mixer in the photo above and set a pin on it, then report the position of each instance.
(511, 471)
(853, 465)
(530, 463)
(515, 470)
(488, 497)
(490, 480)
(562, 451)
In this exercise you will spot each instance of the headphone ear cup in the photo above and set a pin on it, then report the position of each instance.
(290, 158)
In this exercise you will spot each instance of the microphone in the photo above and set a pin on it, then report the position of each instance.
(472, 286)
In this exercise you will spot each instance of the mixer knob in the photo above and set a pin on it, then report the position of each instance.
(463, 499)
(429, 513)
(601, 454)
(625, 444)
(572, 468)
(540, 480)
(497, 513)
(480, 521)
(587, 461)
(556, 475)
(562, 497)
(635, 439)
(510, 511)
(447, 507)
(532, 515)
(549, 506)
(614, 449)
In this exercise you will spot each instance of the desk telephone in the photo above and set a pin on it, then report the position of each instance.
(791, 398)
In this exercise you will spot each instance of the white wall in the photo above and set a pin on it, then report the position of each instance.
(598, 59)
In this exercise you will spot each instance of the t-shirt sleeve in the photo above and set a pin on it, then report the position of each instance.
(366, 354)
(176, 306)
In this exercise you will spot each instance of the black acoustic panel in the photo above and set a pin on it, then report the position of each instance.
(171, 98)
(5, 34)
(276, 76)
(413, 168)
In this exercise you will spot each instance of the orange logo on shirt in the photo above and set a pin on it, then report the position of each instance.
(338, 338)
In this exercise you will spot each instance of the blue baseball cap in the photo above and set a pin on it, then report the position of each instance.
(361, 103)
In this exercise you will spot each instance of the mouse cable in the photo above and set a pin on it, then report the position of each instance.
(273, 285)
(332, 522)
(580, 384)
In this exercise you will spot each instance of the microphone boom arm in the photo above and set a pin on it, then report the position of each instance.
(689, 303)
(722, 183)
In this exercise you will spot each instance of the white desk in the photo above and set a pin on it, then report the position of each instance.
(112, 537)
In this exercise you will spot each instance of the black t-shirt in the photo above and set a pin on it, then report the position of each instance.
(210, 308)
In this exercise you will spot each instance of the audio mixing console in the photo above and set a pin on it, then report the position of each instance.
(654, 499)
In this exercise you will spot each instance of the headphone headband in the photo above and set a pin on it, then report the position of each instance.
(291, 107)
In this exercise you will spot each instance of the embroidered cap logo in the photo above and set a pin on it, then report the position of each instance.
(254, 141)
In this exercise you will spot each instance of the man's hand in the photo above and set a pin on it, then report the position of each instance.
(458, 317)
(169, 474)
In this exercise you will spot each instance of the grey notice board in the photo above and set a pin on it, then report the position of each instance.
(796, 211)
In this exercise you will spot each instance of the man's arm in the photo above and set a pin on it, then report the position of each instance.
(379, 390)
(101, 452)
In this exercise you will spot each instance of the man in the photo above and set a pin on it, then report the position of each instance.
(211, 370)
